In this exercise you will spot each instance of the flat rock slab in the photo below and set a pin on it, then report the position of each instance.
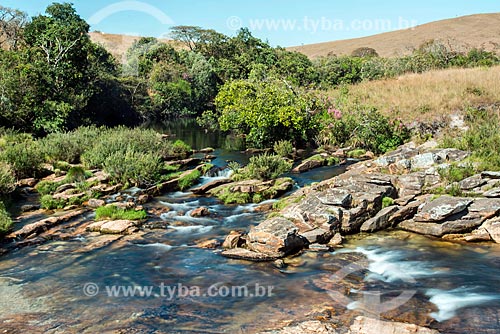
(485, 207)
(442, 208)
(248, 255)
(472, 182)
(307, 327)
(113, 227)
(210, 185)
(439, 229)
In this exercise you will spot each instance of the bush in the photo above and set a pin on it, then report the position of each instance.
(137, 168)
(115, 213)
(24, 157)
(5, 221)
(456, 173)
(7, 179)
(283, 148)
(68, 147)
(47, 187)
(49, 203)
(386, 202)
(76, 174)
(482, 139)
(189, 179)
(267, 167)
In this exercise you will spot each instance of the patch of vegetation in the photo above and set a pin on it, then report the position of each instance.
(24, 157)
(232, 197)
(189, 179)
(267, 167)
(387, 201)
(5, 221)
(48, 187)
(482, 139)
(7, 179)
(456, 173)
(356, 154)
(77, 174)
(50, 203)
(113, 212)
(283, 148)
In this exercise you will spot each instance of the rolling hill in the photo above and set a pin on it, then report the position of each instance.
(473, 31)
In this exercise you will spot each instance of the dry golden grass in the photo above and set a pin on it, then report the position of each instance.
(431, 96)
(118, 45)
(473, 31)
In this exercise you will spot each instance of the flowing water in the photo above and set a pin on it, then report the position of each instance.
(160, 282)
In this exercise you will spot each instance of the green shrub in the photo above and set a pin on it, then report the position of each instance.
(47, 187)
(24, 157)
(7, 179)
(267, 167)
(115, 213)
(232, 197)
(76, 174)
(180, 148)
(189, 179)
(356, 154)
(386, 202)
(137, 168)
(5, 221)
(456, 173)
(49, 203)
(283, 148)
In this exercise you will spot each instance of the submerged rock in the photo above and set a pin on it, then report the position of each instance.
(364, 325)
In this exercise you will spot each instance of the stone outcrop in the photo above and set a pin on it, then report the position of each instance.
(364, 325)
(113, 227)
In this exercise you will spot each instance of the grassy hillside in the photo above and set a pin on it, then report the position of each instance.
(117, 45)
(431, 96)
(479, 31)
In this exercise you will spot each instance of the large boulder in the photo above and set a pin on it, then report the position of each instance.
(380, 221)
(203, 189)
(493, 228)
(276, 237)
(442, 208)
(307, 327)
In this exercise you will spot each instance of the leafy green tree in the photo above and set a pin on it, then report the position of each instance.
(266, 111)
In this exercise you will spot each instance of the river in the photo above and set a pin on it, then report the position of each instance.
(180, 288)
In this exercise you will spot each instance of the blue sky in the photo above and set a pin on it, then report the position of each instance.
(281, 22)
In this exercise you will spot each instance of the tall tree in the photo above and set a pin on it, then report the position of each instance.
(12, 23)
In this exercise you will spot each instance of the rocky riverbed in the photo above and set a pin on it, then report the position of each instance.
(299, 242)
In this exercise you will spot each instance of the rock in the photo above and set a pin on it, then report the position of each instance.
(441, 208)
(459, 226)
(43, 225)
(96, 226)
(410, 184)
(208, 244)
(143, 199)
(425, 160)
(104, 189)
(29, 207)
(380, 221)
(317, 235)
(406, 151)
(208, 186)
(451, 154)
(245, 254)
(307, 327)
(364, 325)
(338, 197)
(308, 165)
(490, 175)
(206, 150)
(472, 182)
(96, 203)
(404, 213)
(319, 248)
(200, 212)
(336, 240)
(31, 182)
(185, 162)
(275, 237)
(428, 145)
(493, 228)
(479, 235)
(100, 177)
(233, 240)
(279, 263)
(402, 201)
(265, 207)
(64, 187)
(493, 193)
(70, 207)
(485, 207)
(118, 227)
(68, 195)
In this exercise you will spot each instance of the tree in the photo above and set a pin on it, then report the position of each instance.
(364, 52)
(12, 23)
